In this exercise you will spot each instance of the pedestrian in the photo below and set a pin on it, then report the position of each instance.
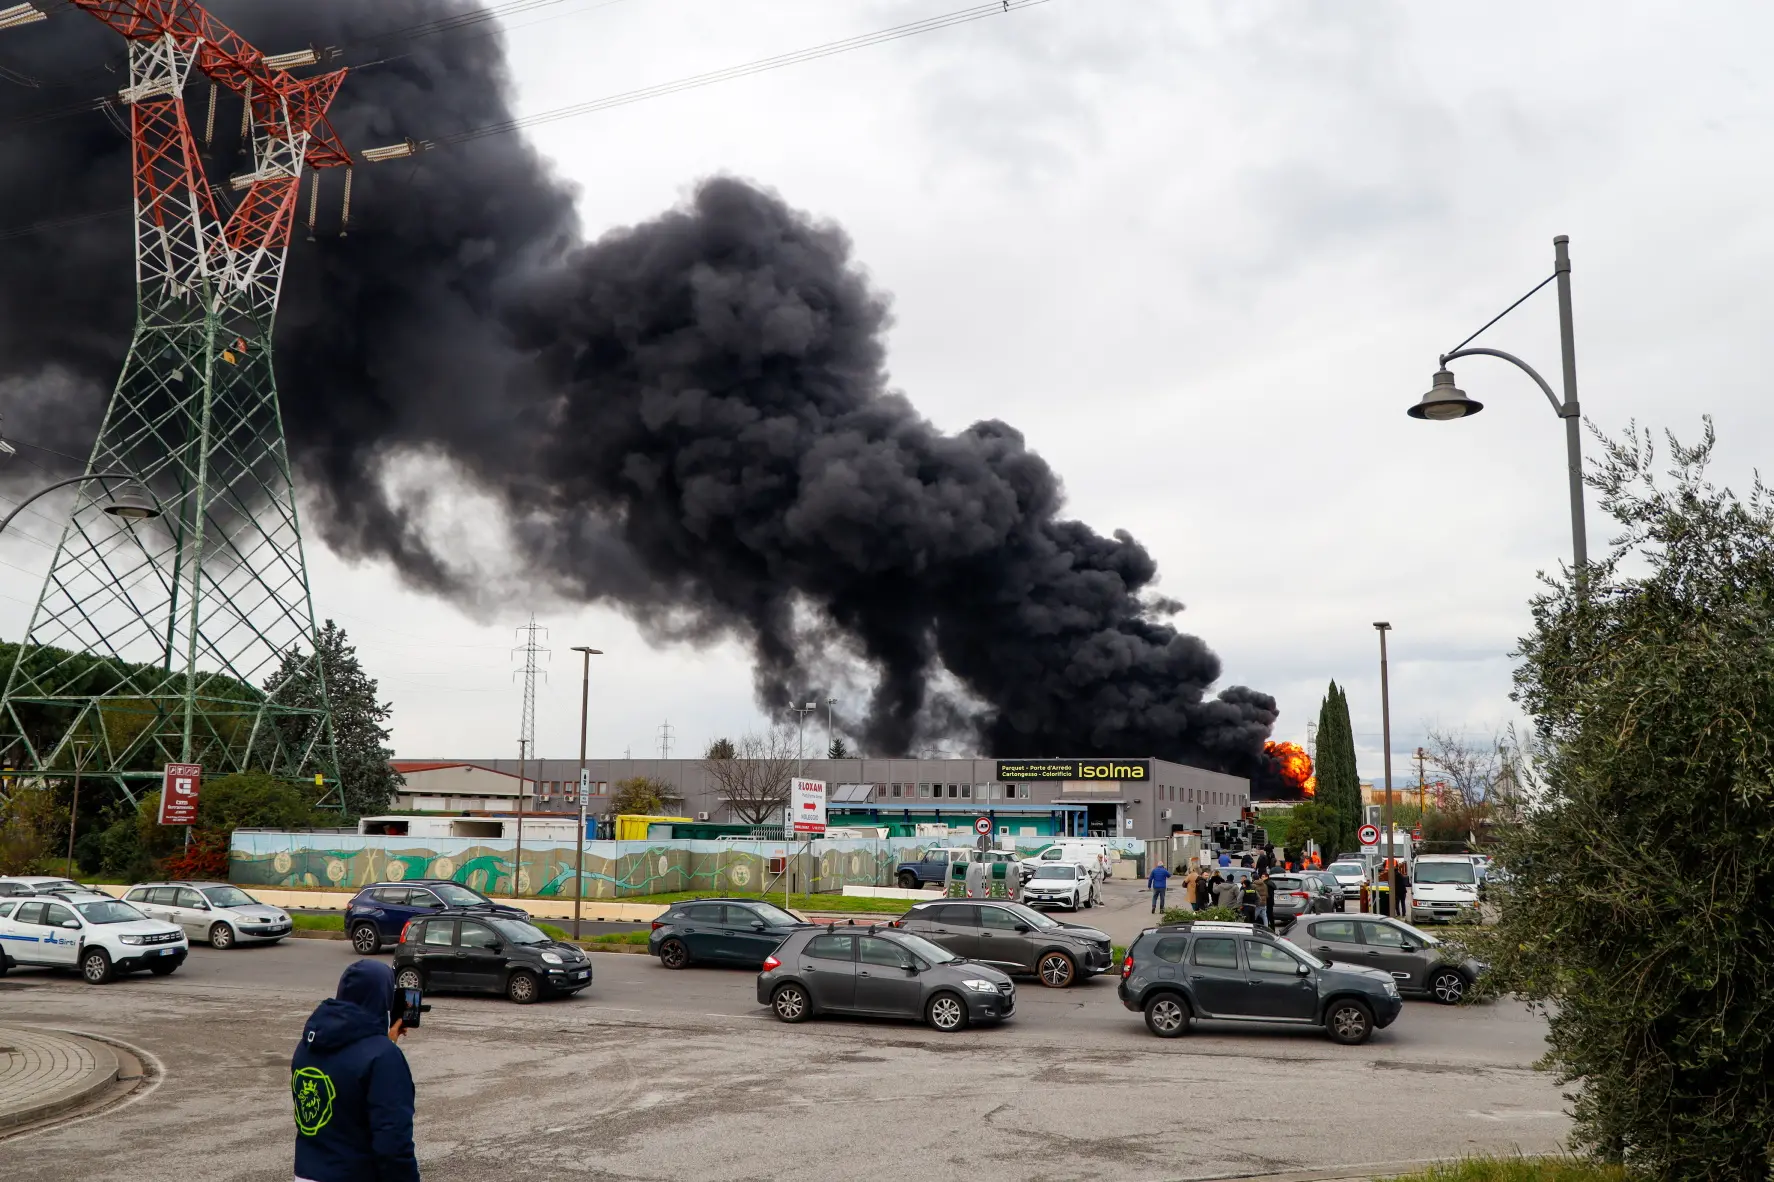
(1248, 900)
(1245, 862)
(1317, 863)
(1226, 893)
(352, 1088)
(1204, 885)
(1403, 909)
(1265, 893)
(1225, 858)
(1158, 880)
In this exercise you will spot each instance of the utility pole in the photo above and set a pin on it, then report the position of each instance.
(829, 703)
(1422, 784)
(83, 751)
(526, 740)
(584, 783)
(665, 739)
(1386, 743)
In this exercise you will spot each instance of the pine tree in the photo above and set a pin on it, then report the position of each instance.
(838, 750)
(368, 781)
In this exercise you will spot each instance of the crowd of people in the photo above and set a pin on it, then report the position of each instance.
(1214, 885)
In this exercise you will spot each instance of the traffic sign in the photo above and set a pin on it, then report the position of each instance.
(178, 793)
(807, 811)
(982, 826)
(1417, 833)
(1368, 835)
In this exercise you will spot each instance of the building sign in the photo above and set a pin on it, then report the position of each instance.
(178, 794)
(806, 806)
(1074, 769)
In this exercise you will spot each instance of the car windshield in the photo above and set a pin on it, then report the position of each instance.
(1346, 869)
(1031, 917)
(772, 914)
(934, 953)
(229, 896)
(1445, 872)
(519, 932)
(108, 911)
(1067, 872)
(457, 896)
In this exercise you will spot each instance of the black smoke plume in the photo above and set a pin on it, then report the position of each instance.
(689, 417)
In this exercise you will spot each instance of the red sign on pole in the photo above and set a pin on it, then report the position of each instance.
(178, 794)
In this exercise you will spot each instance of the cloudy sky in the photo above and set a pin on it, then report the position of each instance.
(1204, 255)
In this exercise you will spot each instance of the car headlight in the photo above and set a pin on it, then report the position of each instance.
(551, 958)
(133, 939)
(979, 986)
(1392, 989)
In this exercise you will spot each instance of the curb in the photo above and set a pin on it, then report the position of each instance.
(587, 945)
(101, 1077)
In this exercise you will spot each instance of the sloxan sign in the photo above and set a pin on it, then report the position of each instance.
(1074, 769)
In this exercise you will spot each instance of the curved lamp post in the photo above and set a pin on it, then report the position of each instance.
(130, 506)
(1447, 401)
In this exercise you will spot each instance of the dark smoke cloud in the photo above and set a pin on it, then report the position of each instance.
(689, 418)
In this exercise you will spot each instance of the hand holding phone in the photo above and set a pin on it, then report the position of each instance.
(413, 1002)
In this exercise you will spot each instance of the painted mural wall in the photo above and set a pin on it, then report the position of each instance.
(613, 869)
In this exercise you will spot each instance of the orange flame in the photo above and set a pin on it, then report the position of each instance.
(1296, 766)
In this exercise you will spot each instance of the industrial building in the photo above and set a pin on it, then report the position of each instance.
(1132, 798)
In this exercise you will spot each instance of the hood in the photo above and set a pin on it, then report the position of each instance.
(143, 927)
(1354, 970)
(1080, 932)
(972, 968)
(363, 1008)
(256, 911)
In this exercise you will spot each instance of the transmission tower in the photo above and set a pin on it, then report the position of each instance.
(155, 640)
(526, 738)
(665, 739)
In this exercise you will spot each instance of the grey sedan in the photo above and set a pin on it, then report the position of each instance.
(1417, 961)
(882, 973)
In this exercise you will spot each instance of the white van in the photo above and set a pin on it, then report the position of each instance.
(1444, 887)
(1105, 860)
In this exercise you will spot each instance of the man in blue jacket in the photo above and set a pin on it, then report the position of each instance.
(353, 1091)
(1158, 880)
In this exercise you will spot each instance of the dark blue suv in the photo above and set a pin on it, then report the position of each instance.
(377, 914)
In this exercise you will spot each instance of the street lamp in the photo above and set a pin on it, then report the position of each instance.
(129, 506)
(1446, 401)
(1386, 743)
(584, 782)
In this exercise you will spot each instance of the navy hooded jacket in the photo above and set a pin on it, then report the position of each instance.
(352, 1088)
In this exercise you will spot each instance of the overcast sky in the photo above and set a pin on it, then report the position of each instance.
(1204, 255)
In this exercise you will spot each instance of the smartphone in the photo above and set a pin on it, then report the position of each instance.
(413, 1001)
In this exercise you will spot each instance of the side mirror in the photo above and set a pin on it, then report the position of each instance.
(1305, 970)
(1023, 927)
(912, 968)
(495, 948)
(757, 925)
(71, 923)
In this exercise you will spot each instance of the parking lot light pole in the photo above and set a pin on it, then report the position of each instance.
(788, 805)
(584, 783)
(1386, 743)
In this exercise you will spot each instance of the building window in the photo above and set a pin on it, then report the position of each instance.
(967, 791)
(954, 791)
(924, 791)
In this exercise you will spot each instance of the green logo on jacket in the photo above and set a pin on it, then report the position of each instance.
(314, 1094)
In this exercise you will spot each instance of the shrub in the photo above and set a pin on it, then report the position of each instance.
(1184, 915)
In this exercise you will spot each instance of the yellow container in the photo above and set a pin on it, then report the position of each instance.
(633, 826)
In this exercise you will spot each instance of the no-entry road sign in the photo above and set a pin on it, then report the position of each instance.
(982, 826)
(1369, 835)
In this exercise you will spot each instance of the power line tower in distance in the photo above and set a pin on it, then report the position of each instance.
(665, 737)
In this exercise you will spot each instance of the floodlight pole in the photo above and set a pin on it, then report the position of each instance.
(584, 783)
(1386, 742)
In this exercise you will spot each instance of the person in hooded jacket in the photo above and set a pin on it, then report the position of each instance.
(352, 1088)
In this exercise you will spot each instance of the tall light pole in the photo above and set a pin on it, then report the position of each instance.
(584, 782)
(829, 703)
(1386, 742)
(1447, 401)
(788, 812)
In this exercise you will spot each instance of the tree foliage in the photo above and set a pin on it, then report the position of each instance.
(720, 749)
(1312, 820)
(838, 749)
(33, 830)
(1339, 782)
(641, 796)
(754, 780)
(367, 780)
(1642, 871)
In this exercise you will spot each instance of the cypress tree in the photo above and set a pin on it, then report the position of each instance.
(1339, 787)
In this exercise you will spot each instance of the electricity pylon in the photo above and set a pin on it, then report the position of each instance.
(154, 640)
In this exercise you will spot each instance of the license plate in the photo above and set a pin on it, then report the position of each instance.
(160, 951)
(581, 974)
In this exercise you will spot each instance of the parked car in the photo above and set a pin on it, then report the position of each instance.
(1235, 972)
(1417, 961)
(1060, 884)
(881, 972)
(933, 867)
(375, 916)
(1348, 873)
(1091, 859)
(1444, 888)
(1333, 887)
(1011, 937)
(223, 915)
(720, 931)
(15, 885)
(469, 950)
(100, 937)
(1301, 894)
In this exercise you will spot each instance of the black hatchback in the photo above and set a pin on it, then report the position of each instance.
(1235, 972)
(472, 952)
(884, 973)
(720, 931)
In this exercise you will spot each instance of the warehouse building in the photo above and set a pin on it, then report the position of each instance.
(1132, 798)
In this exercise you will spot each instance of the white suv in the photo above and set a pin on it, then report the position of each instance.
(1060, 884)
(101, 937)
(222, 914)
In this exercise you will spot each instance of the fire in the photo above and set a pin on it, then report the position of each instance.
(1296, 766)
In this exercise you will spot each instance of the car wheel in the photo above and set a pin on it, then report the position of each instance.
(1089, 901)
(409, 978)
(163, 970)
(908, 881)
(1448, 987)
(1167, 1015)
(1056, 970)
(790, 1003)
(673, 954)
(366, 939)
(1349, 1022)
(523, 988)
(221, 937)
(946, 1013)
(95, 966)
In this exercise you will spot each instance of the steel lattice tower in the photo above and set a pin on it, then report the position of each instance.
(154, 641)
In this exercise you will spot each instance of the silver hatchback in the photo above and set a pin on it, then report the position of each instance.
(216, 912)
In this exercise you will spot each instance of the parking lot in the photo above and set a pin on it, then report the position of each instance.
(655, 1074)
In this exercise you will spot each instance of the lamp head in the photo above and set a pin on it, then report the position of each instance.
(590, 652)
(132, 506)
(1445, 400)
(1383, 626)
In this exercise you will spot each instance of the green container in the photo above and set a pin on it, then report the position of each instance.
(999, 886)
(958, 880)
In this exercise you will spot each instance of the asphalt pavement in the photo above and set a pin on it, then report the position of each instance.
(652, 1074)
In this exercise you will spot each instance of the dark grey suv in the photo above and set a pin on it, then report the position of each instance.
(1235, 972)
(1012, 937)
(882, 973)
(1416, 960)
